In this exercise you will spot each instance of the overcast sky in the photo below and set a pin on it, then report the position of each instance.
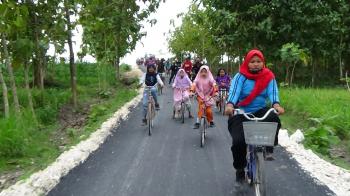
(155, 42)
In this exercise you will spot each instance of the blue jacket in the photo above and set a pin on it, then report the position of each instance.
(241, 87)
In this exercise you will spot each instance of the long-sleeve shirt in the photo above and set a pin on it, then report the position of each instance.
(241, 87)
(158, 80)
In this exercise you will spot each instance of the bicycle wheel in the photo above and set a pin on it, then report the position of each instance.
(260, 181)
(149, 119)
(220, 105)
(183, 112)
(203, 130)
(223, 108)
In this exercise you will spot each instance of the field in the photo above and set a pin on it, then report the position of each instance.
(324, 117)
(30, 142)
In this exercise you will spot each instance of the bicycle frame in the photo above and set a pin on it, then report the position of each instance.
(150, 109)
(222, 95)
(204, 120)
(183, 105)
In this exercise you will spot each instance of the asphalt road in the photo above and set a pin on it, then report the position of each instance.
(171, 162)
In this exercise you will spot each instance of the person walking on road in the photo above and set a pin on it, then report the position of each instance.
(195, 68)
(187, 66)
(250, 89)
(174, 69)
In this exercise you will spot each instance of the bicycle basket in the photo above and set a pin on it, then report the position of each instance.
(260, 133)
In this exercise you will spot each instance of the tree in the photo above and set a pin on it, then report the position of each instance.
(11, 21)
(291, 53)
(4, 95)
(73, 77)
(115, 29)
(193, 36)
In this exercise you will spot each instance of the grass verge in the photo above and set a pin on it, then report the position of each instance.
(30, 143)
(323, 115)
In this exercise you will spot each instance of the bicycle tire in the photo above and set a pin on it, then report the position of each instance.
(149, 119)
(204, 126)
(183, 112)
(224, 108)
(260, 178)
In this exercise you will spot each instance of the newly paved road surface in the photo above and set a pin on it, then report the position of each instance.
(171, 163)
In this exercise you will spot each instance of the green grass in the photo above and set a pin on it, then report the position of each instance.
(29, 144)
(324, 116)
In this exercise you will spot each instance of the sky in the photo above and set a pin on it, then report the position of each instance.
(155, 42)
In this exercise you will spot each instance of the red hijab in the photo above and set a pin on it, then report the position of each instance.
(262, 79)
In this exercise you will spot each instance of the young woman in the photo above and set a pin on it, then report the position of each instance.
(182, 84)
(150, 78)
(204, 86)
(250, 89)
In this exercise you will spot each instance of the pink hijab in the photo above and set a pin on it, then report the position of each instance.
(204, 87)
(184, 82)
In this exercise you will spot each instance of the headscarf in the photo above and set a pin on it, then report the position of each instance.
(262, 79)
(204, 86)
(182, 82)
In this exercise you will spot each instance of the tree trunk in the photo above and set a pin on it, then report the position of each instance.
(29, 93)
(286, 80)
(38, 61)
(292, 74)
(340, 58)
(72, 66)
(347, 80)
(340, 67)
(5, 95)
(117, 70)
(313, 74)
(10, 71)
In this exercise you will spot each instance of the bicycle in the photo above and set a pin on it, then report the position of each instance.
(204, 122)
(182, 108)
(258, 135)
(222, 98)
(151, 112)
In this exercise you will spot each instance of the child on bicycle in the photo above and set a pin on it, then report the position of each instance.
(250, 89)
(204, 86)
(182, 85)
(150, 78)
(223, 81)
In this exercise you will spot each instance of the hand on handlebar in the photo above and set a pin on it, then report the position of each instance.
(279, 109)
(229, 110)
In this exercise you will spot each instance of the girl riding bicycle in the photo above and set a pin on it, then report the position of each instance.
(250, 89)
(182, 85)
(204, 86)
(150, 78)
(223, 81)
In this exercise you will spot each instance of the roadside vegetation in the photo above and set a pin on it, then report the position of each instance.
(48, 106)
(324, 117)
(30, 142)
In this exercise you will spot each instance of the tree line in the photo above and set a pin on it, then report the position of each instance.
(28, 28)
(304, 41)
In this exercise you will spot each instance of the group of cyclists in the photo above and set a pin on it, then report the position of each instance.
(253, 89)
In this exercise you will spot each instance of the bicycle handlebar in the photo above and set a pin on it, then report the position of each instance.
(253, 118)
